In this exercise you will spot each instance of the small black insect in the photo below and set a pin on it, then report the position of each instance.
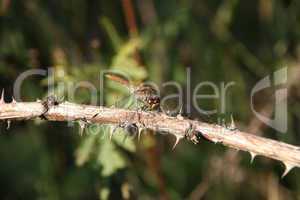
(49, 101)
(145, 94)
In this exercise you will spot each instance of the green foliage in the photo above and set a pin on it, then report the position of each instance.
(221, 41)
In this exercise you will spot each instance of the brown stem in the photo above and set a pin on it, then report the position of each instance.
(130, 17)
(131, 25)
(178, 126)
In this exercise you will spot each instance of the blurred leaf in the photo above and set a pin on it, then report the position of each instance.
(110, 159)
(85, 150)
(112, 33)
(125, 142)
(104, 193)
(125, 61)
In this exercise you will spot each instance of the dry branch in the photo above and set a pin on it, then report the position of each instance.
(179, 126)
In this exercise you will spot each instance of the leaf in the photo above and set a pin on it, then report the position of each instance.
(124, 60)
(85, 150)
(112, 33)
(110, 159)
(104, 193)
(127, 143)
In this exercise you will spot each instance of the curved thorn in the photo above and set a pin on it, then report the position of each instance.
(8, 124)
(288, 168)
(178, 138)
(2, 97)
(253, 155)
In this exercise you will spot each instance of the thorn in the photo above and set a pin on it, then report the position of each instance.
(253, 155)
(112, 132)
(2, 97)
(288, 168)
(178, 138)
(180, 117)
(8, 124)
(180, 110)
(82, 125)
(216, 141)
(168, 113)
(139, 134)
(13, 100)
(232, 124)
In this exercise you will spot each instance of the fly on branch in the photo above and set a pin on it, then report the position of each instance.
(145, 96)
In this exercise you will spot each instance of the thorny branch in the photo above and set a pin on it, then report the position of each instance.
(178, 126)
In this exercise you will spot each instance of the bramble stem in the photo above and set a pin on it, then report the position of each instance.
(157, 121)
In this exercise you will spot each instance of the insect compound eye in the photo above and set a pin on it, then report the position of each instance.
(157, 100)
(154, 100)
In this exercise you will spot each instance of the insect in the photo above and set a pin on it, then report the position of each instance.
(48, 102)
(145, 95)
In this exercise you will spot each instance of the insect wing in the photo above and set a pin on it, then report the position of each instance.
(128, 102)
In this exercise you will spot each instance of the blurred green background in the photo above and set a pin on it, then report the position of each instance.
(218, 40)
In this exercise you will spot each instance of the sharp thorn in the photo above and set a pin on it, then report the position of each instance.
(232, 124)
(110, 135)
(253, 155)
(8, 124)
(288, 168)
(180, 117)
(13, 100)
(167, 113)
(139, 134)
(112, 132)
(2, 97)
(214, 140)
(82, 125)
(180, 110)
(178, 138)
